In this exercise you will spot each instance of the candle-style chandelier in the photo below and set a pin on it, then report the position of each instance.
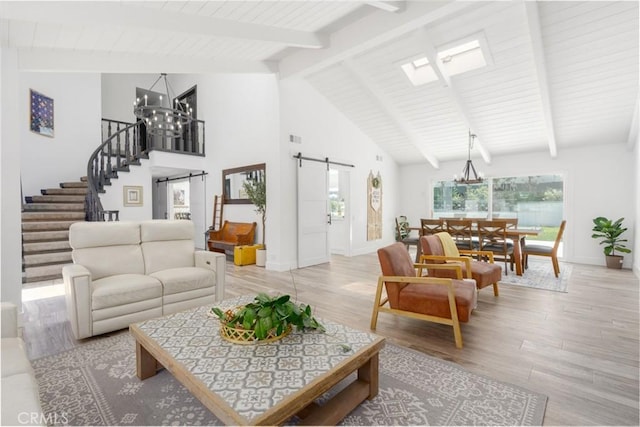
(469, 174)
(161, 119)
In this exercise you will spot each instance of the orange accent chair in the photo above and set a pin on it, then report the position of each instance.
(540, 250)
(440, 300)
(485, 273)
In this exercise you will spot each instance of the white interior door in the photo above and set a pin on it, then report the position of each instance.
(313, 214)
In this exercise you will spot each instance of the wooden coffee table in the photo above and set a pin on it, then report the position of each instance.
(260, 384)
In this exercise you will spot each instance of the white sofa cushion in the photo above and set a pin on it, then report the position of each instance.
(160, 256)
(20, 401)
(123, 289)
(161, 230)
(184, 279)
(14, 358)
(95, 235)
(110, 260)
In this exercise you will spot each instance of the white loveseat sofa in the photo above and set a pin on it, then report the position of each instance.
(126, 272)
(20, 399)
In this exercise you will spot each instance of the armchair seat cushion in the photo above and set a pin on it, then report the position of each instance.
(124, 289)
(433, 299)
(541, 249)
(176, 280)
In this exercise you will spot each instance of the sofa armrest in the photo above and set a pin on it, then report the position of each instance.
(216, 262)
(9, 320)
(77, 289)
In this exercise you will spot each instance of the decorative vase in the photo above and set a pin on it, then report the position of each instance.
(614, 261)
(261, 257)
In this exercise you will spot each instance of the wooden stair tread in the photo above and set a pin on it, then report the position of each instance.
(53, 191)
(59, 198)
(48, 258)
(52, 216)
(47, 225)
(54, 207)
(40, 247)
(45, 236)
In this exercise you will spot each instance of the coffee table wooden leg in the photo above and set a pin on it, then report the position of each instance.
(369, 373)
(146, 364)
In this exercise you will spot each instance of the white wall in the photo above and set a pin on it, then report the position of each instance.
(326, 132)
(633, 238)
(10, 149)
(599, 182)
(48, 161)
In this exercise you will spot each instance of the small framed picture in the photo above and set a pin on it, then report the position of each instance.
(41, 121)
(179, 197)
(132, 195)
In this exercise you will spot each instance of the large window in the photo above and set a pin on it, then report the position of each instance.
(537, 201)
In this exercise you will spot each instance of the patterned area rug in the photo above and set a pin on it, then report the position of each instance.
(540, 275)
(96, 384)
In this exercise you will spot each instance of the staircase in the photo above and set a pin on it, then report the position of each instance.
(45, 230)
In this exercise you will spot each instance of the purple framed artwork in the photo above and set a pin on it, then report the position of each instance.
(41, 114)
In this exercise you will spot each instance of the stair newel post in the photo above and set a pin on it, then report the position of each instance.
(133, 146)
(109, 157)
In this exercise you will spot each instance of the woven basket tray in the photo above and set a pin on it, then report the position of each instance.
(243, 336)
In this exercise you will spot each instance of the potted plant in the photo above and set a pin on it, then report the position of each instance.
(265, 319)
(610, 232)
(257, 192)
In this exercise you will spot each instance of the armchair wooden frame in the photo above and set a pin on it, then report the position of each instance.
(453, 321)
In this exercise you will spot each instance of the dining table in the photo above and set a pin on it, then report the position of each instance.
(517, 235)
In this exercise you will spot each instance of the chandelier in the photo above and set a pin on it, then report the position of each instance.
(469, 174)
(159, 117)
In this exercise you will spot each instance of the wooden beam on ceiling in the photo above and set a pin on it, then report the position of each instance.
(387, 106)
(533, 20)
(42, 59)
(424, 42)
(389, 6)
(129, 16)
(367, 33)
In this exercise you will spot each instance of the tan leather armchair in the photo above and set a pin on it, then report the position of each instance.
(485, 273)
(440, 300)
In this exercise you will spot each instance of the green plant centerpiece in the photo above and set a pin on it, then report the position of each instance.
(610, 232)
(265, 319)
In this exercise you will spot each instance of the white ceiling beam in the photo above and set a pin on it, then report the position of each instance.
(134, 17)
(633, 130)
(369, 32)
(102, 62)
(533, 20)
(389, 6)
(385, 103)
(424, 42)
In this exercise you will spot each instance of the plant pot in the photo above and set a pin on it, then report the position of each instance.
(614, 261)
(261, 257)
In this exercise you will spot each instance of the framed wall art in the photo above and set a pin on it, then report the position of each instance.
(41, 120)
(132, 195)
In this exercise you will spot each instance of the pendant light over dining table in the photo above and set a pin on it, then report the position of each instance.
(469, 174)
(161, 117)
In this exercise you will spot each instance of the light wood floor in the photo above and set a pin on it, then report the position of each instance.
(579, 348)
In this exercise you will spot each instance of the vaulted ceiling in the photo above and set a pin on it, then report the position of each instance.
(558, 74)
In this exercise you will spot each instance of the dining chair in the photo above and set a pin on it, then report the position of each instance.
(430, 226)
(439, 248)
(511, 222)
(461, 230)
(492, 236)
(403, 235)
(440, 300)
(548, 251)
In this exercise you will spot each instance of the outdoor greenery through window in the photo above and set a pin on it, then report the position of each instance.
(336, 196)
(537, 201)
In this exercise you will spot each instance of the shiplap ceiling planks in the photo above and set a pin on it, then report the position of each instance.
(560, 74)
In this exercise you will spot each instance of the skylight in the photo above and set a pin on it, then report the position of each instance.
(419, 71)
(462, 58)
